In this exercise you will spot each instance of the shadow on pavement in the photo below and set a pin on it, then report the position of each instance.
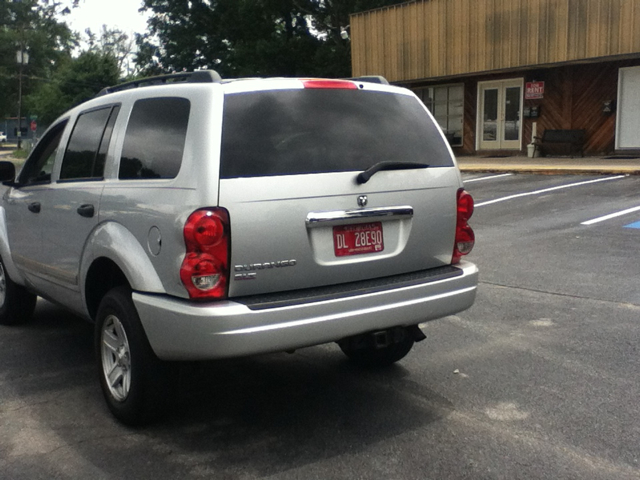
(247, 417)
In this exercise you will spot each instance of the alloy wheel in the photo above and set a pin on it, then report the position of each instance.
(116, 358)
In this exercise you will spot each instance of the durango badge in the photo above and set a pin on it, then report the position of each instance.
(252, 267)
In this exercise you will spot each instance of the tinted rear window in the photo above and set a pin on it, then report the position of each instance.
(155, 138)
(287, 132)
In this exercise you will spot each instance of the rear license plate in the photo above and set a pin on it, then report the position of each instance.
(357, 239)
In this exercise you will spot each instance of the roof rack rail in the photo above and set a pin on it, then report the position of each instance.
(198, 76)
(371, 79)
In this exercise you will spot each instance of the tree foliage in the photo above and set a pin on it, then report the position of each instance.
(33, 26)
(56, 77)
(74, 82)
(235, 37)
(251, 37)
(111, 42)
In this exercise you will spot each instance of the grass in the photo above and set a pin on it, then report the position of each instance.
(20, 154)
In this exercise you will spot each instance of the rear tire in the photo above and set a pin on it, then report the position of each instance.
(16, 302)
(132, 378)
(364, 352)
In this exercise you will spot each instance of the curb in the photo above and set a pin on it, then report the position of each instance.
(552, 171)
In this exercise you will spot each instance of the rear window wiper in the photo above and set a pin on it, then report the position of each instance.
(364, 177)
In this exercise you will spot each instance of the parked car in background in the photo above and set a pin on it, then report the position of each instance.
(203, 219)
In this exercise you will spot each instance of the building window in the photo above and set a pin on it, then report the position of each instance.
(446, 103)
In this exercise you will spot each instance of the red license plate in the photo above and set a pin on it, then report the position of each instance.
(357, 239)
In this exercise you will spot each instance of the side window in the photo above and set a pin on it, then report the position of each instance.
(155, 138)
(87, 149)
(38, 167)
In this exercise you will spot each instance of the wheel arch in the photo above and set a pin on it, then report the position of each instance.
(103, 275)
(115, 258)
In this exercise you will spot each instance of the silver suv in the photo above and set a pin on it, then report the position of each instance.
(196, 218)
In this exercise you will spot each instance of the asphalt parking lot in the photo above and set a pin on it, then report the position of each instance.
(539, 379)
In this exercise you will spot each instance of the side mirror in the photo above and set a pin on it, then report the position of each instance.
(7, 172)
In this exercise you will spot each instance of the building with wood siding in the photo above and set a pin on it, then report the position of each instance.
(496, 72)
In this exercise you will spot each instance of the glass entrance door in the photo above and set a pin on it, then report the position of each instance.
(500, 115)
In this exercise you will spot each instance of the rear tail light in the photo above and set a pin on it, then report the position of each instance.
(465, 238)
(205, 268)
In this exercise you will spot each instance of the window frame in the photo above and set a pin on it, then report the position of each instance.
(114, 111)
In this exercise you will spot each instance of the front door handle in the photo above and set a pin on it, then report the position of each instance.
(34, 207)
(87, 210)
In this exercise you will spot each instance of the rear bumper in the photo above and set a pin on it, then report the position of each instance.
(181, 330)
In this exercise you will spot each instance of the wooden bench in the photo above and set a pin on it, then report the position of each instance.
(560, 142)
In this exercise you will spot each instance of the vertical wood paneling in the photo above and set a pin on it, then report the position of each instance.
(488, 29)
(395, 44)
(439, 38)
(412, 35)
(468, 36)
(591, 33)
(416, 44)
(524, 46)
(456, 34)
(573, 99)
(389, 61)
(563, 34)
(470, 102)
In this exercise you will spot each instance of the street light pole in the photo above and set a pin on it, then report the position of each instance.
(20, 103)
(23, 59)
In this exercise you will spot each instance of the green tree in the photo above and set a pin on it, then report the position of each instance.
(32, 26)
(251, 37)
(74, 82)
(113, 42)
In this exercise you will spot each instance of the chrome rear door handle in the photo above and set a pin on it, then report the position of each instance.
(343, 217)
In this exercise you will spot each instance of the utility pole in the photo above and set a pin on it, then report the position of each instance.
(23, 59)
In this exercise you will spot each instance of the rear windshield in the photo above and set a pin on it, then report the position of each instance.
(288, 132)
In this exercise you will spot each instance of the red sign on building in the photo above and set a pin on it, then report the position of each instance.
(534, 90)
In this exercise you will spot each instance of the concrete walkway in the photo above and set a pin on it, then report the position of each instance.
(551, 165)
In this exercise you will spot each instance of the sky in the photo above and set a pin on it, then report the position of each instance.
(122, 14)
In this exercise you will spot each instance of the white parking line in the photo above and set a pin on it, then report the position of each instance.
(545, 190)
(611, 215)
(488, 178)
